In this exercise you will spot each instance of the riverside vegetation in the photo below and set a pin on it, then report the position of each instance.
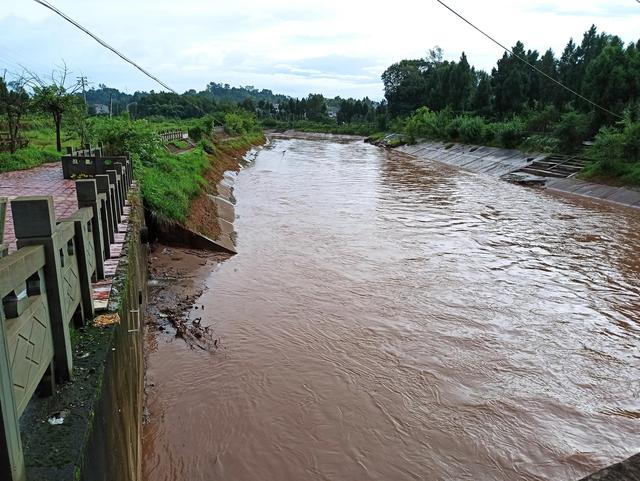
(513, 106)
(169, 181)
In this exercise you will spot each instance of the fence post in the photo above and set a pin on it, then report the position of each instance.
(123, 184)
(11, 457)
(4, 249)
(108, 213)
(81, 239)
(34, 223)
(115, 198)
(129, 167)
(87, 194)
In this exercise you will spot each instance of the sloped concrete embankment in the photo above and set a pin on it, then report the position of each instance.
(501, 162)
(487, 160)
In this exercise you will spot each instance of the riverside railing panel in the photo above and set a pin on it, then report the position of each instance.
(169, 135)
(45, 285)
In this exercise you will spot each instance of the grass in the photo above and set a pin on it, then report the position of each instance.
(618, 173)
(180, 144)
(172, 181)
(27, 158)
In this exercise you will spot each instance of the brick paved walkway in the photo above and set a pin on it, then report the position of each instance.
(48, 180)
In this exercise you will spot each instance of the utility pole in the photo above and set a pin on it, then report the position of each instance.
(110, 104)
(82, 80)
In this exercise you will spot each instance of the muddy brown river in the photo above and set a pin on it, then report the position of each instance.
(393, 319)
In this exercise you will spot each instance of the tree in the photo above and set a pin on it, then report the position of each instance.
(511, 82)
(56, 99)
(14, 102)
(404, 86)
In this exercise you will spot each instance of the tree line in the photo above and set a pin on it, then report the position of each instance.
(601, 68)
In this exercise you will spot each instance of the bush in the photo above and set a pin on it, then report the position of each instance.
(195, 133)
(511, 133)
(571, 130)
(427, 124)
(542, 121)
(471, 130)
(238, 123)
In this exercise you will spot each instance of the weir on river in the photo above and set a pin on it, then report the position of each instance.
(388, 318)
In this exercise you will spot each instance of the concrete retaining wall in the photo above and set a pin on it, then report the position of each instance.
(488, 160)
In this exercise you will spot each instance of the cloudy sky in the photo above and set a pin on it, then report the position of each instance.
(334, 47)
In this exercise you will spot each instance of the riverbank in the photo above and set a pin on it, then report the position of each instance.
(498, 162)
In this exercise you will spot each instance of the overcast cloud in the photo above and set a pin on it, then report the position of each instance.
(334, 47)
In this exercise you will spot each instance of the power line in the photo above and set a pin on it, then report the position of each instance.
(48, 5)
(527, 62)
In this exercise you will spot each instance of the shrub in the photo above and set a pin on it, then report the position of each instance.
(510, 133)
(571, 130)
(471, 130)
(542, 121)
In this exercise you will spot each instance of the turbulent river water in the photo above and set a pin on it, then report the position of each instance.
(394, 319)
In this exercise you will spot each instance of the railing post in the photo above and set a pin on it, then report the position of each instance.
(82, 248)
(108, 213)
(11, 457)
(34, 223)
(4, 249)
(113, 180)
(87, 194)
(122, 182)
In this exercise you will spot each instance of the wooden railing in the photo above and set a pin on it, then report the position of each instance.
(44, 286)
(169, 135)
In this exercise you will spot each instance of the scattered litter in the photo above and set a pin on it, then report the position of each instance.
(106, 320)
(57, 419)
(83, 355)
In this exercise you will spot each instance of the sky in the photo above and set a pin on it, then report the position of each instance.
(333, 47)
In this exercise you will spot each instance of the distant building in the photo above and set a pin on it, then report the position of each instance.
(332, 112)
(101, 109)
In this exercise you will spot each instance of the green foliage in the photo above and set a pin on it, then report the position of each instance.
(239, 123)
(170, 182)
(510, 133)
(57, 100)
(616, 152)
(14, 102)
(470, 130)
(120, 135)
(571, 130)
(26, 158)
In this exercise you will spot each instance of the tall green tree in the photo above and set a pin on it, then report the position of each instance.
(14, 102)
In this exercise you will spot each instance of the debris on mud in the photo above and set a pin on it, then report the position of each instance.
(177, 276)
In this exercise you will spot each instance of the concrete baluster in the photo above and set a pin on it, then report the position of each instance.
(81, 241)
(87, 194)
(113, 180)
(115, 197)
(122, 182)
(109, 226)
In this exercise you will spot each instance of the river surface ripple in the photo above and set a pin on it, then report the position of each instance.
(393, 319)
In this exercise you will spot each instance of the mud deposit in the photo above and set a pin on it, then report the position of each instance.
(393, 319)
